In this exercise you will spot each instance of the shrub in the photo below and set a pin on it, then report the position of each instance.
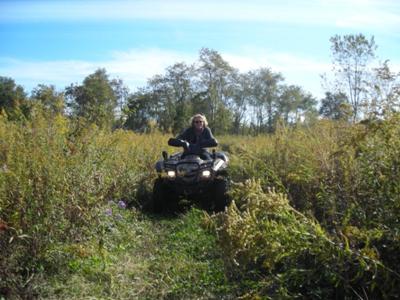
(54, 174)
(288, 255)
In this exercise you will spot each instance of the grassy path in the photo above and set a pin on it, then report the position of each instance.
(144, 257)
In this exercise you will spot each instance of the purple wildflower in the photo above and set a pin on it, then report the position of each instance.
(108, 212)
(121, 204)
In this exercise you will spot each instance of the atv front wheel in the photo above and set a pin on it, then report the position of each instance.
(159, 193)
(221, 197)
(164, 198)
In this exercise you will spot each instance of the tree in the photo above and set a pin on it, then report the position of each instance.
(95, 100)
(179, 79)
(294, 103)
(215, 82)
(13, 99)
(161, 103)
(224, 95)
(334, 106)
(121, 92)
(51, 100)
(240, 99)
(139, 111)
(306, 110)
(265, 90)
(168, 97)
(384, 91)
(351, 56)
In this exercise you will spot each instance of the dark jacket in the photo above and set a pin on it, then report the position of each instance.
(196, 142)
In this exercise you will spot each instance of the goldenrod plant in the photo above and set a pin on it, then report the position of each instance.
(315, 214)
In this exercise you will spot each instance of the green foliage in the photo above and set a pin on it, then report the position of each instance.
(189, 260)
(283, 160)
(94, 100)
(250, 157)
(142, 258)
(291, 256)
(52, 101)
(54, 175)
(384, 92)
(315, 215)
(378, 157)
(344, 176)
(230, 100)
(351, 55)
(294, 104)
(335, 107)
(13, 99)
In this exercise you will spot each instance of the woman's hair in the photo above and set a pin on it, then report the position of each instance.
(199, 116)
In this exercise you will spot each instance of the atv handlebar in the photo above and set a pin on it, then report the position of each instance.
(178, 143)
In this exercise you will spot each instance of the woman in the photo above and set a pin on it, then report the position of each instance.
(195, 138)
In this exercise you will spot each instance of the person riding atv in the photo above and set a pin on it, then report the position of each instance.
(194, 174)
(196, 138)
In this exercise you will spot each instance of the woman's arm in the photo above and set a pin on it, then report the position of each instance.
(208, 139)
(180, 141)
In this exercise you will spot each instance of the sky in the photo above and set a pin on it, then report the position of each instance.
(62, 42)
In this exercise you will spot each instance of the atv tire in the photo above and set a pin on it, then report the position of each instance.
(221, 197)
(158, 203)
(164, 199)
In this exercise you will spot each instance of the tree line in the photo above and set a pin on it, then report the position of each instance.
(234, 102)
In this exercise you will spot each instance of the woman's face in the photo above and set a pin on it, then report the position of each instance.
(198, 123)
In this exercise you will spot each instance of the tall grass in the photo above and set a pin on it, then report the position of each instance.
(343, 182)
(315, 214)
(54, 176)
(288, 255)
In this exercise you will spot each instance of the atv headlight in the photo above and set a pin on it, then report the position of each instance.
(171, 174)
(205, 173)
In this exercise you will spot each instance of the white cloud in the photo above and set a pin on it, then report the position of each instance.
(297, 70)
(136, 66)
(354, 14)
(366, 19)
(31, 73)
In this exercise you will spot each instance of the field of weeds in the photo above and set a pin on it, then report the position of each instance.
(315, 215)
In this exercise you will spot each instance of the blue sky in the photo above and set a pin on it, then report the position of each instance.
(61, 42)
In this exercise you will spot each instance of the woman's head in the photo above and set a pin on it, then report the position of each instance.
(198, 121)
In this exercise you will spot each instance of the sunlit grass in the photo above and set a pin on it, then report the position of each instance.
(72, 225)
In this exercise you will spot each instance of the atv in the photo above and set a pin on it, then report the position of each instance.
(199, 179)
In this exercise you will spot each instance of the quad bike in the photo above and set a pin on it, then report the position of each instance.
(200, 180)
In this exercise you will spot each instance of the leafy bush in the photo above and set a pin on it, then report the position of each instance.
(287, 255)
(315, 212)
(347, 178)
(54, 175)
(295, 161)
